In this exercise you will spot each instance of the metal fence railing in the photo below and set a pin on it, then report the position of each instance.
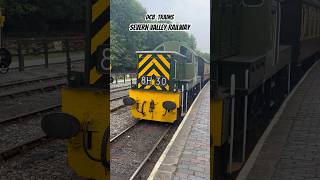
(42, 48)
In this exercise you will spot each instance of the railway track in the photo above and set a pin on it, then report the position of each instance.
(124, 131)
(155, 146)
(33, 142)
(147, 157)
(31, 81)
(43, 85)
(30, 144)
(149, 135)
(28, 87)
(57, 80)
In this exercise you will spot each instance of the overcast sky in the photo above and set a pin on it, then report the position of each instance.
(196, 12)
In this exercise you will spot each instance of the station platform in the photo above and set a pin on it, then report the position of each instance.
(290, 146)
(187, 155)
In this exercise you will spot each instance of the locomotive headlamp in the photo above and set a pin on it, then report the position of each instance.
(128, 101)
(60, 125)
(169, 105)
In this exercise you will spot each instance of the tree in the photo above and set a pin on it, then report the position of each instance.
(44, 17)
(124, 43)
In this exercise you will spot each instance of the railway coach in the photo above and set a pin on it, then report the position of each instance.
(300, 28)
(168, 78)
(258, 47)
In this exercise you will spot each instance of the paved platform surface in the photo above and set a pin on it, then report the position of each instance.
(292, 149)
(187, 156)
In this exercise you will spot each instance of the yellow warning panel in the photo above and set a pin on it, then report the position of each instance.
(92, 109)
(149, 105)
(99, 33)
(216, 121)
(2, 20)
(154, 71)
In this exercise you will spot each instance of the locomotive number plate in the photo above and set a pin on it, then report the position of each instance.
(158, 81)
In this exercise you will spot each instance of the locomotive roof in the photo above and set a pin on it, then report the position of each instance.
(177, 43)
(171, 52)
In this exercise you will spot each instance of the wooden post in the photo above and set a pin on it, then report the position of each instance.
(20, 57)
(46, 54)
(67, 47)
(116, 78)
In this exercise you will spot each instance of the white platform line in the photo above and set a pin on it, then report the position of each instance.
(253, 156)
(165, 152)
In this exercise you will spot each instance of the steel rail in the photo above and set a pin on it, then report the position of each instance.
(20, 148)
(150, 153)
(124, 131)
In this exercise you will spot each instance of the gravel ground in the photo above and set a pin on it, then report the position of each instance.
(124, 87)
(13, 107)
(50, 83)
(19, 132)
(22, 131)
(31, 73)
(115, 104)
(119, 94)
(130, 149)
(120, 120)
(24, 104)
(47, 162)
(12, 135)
(148, 167)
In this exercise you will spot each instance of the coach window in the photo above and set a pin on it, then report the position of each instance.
(307, 21)
(252, 3)
(317, 31)
(318, 22)
(315, 22)
(312, 22)
(302, 24)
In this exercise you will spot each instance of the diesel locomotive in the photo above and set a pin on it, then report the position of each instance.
(85, 102)
(167, 79)
(258, 46)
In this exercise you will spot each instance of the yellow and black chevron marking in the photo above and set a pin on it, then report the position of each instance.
(156, 67)
(99, 34)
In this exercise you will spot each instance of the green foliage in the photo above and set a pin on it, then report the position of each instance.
(124, 43)
(40, 16)
(204, 55)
